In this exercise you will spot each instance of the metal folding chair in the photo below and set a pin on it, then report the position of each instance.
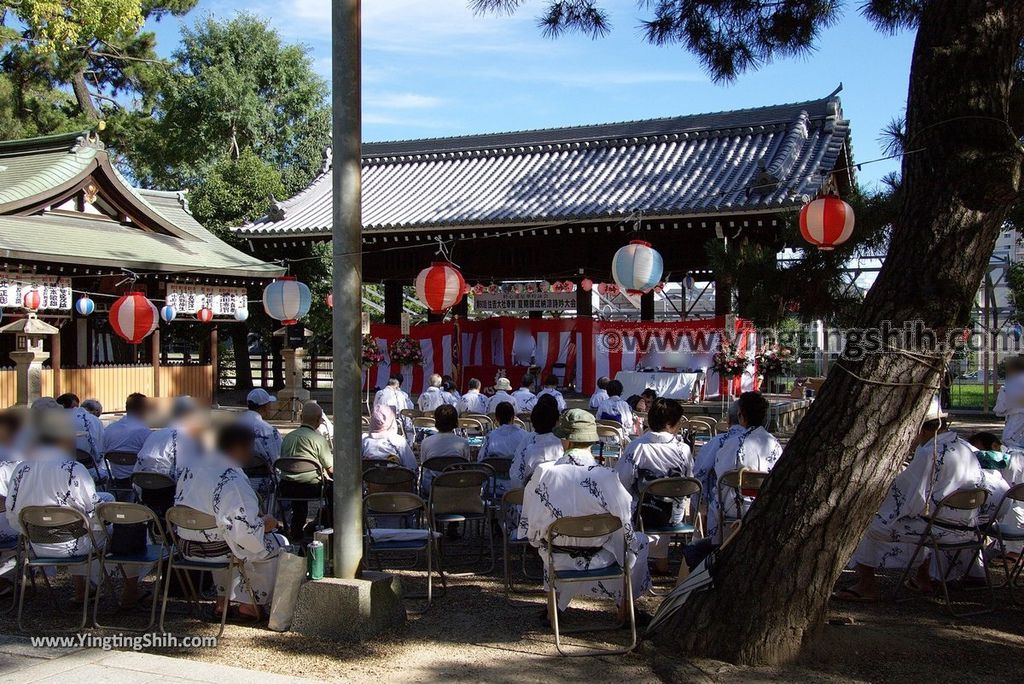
(410, 413)
(405, 505)
(156, 491)
(1004, 533)
(388, 478)
(123, 513)
(612, 441)
(10, 548)
(471, 427)
(456, 496)
(745, 483)
(501, 465)
(298, 466)
(675, 488)
(120, 488)
(484, 419)
(573, 531)
(508, 520)
(965, 501)
(437, 465)
(53, 525)
(183, 517)
(85, 458)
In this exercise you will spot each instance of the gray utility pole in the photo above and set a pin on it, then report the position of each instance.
(346, 71)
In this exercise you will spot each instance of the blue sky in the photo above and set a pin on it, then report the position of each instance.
(432, 68)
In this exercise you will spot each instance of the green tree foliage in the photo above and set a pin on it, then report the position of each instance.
(234, 191)
(235, 87)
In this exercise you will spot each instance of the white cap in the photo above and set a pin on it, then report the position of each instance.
(260, 397)
(935, 411)
(503, 384)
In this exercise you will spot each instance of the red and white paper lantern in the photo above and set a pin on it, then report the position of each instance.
(826, 222)
(31, 300)
(204, 315)
(133, 317)
(440, 286)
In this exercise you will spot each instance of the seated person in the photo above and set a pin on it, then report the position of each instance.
(524, 397)
(657, 454)
(217, 486)
(502, 387)
(442, 443)
(168, 450)
(433, 396)
(704, 465)
(1010, 403)
(615, 409)
(753, 448)
(267, 446)
(540, 446)
(384, 443)
(551, 388)
(578, 431)
(307, 443)
(942, 464)
(505, 439)
(393, 395)
(601, 394)
(565, 490)
(127, 435)
(50, 476)
(451, 394)
(89, 433)
(473, 401)
(10, 425)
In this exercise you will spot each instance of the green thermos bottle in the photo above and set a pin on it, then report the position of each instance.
(315, 560)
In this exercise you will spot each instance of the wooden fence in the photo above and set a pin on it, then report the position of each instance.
(112, 384)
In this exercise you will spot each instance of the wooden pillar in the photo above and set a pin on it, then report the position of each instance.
(55, 364)
(462, 308)
(81, 342)
(154, 354)
(213, 364)
(584, 303)
(393, 302)
(647, 306)
(723, 294)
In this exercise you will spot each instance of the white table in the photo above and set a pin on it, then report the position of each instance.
(684, 386)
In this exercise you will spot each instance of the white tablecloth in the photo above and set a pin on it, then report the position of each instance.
(685, 386)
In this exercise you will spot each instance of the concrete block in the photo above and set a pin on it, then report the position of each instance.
(349, 610)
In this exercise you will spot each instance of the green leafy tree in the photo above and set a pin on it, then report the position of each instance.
(956, 189)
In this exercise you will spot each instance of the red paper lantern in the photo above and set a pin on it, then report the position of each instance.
(587, 284)
(204, 315)
(440, 286)
(31, 300)
(826, 222)
(330, 300)
(133, 317)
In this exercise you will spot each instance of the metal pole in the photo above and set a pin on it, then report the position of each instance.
(348, 279)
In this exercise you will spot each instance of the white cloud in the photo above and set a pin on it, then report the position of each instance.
(402, 101)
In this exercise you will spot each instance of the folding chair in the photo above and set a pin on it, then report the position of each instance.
(485, 420)
(437, 465)
(456, 496)
(122, 487)
(423, 423)
(85, 458)
(525, 421)
(969, 501)
(1003, 533)
(259, 469)
(404, 504)
(53, 525)
(123, 513)
(410, 413)
(156, 491)
(508, 519)
(299, 466)
(366, 423)
(185, 518)
(501, 465)
(674, 488)
(610, 449)
(388, 478)
(574, 530)
(471, 427)
(745, 483)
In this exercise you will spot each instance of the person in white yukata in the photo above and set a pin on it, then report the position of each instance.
(505, 439)
(502, 387)
(616, 409)
(442, 443)
(50, 476)
(540, 446)
(260, 405)
(473, 401)
(1010, 405)
(656, 454)
(10, 457)
(168, 450)
(432, 396)
(704, 464)
(574, 451)
(753, 448)
(551, 389)
(600, 394)
(217, 486)
(89, 432)
(393, 395)
(452, 395)
(127, 435)
(384, 443)
(524, 396)
(565, 490)
(942, 464)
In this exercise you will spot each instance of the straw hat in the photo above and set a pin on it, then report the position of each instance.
(503, 384)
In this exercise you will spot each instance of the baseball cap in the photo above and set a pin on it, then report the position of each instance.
(260, 397)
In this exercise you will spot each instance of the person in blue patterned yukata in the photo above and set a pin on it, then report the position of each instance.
(559, 490)
(943, 463)
(218, 487)
(10, 457)
(704, 464)
(752, 447)
(267, 446)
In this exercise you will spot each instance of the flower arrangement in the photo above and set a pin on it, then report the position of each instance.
(372, 355)
(406, 351)
(728, 362)
(775, 360)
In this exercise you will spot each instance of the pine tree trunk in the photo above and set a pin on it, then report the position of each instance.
(772, 584)
(83, 96)
(243, 368)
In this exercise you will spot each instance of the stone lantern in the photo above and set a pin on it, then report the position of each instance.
(293, 395)
(28, 355)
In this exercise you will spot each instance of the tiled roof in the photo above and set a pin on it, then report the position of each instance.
(32, 170)
(752, 160)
